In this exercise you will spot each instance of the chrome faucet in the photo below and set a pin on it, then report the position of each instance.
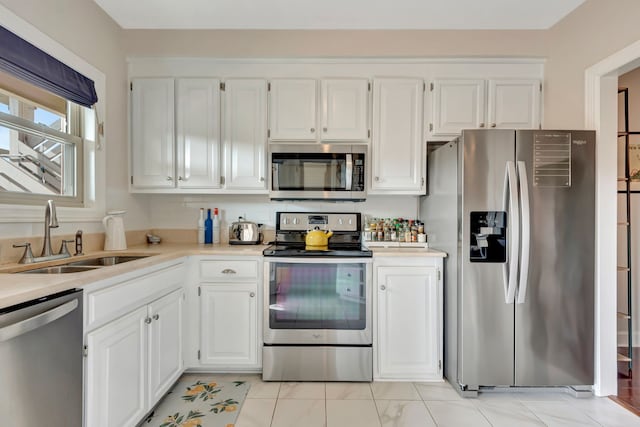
(50, 221)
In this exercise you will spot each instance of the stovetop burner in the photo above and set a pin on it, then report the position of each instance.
(292, 227)
(292, 251)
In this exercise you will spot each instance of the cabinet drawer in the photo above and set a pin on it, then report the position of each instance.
(107, 303)
(223, 271)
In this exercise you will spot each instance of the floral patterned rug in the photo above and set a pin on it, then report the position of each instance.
(200, 402)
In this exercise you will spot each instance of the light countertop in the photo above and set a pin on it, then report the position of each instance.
(18, 288)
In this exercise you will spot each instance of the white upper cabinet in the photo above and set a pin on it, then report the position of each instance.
(198, 133)
(397, 149)
(457, 105)
(245, 134)
(514, 104)
(152, 133)
(293, 110)
(187, 156)
(478, 103)
(344, 109)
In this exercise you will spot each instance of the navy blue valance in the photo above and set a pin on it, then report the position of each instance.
(25, 61)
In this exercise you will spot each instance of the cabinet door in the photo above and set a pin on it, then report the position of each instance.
(229, 325)
(165, 344)
(457, 105)
(292, 110)
(152, 133)
(514, 104)
(198, 133)
(344, 109)
(408, 322)
(397, 155)
(245, 134)
(116, 372)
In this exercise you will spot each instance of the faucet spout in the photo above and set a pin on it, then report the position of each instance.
(50, 221)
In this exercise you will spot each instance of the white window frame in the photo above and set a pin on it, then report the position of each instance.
(94, 156)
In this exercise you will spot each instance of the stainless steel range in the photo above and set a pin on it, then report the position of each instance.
(317, 314)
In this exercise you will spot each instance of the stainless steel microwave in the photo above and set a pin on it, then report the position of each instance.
(317, 172)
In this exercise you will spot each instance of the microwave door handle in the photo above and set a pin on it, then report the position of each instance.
(349, 172)
(275, 182)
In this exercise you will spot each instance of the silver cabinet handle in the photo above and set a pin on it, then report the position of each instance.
(313, 130)
(169, 178)
(383, 287)
(147, 320)
(228, 271)
(481, 125)
(156, 316)
(252, 294)
(493, 125)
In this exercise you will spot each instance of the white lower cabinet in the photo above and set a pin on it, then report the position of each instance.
(117, 360)
(408, 344)
(134, 359)
(223, 315)
(229, 322)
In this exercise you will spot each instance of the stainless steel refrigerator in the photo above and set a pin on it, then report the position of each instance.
(519, 279)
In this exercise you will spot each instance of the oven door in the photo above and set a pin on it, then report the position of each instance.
(317, 301)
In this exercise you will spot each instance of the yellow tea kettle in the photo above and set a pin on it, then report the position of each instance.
(317, 239)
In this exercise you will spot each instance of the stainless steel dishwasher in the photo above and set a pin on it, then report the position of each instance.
(41, 362)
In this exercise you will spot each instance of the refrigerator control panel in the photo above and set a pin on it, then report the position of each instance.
(488, 234)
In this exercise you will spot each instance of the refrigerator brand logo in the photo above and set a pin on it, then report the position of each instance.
(579, 142)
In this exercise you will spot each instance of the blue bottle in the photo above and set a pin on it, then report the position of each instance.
(208, 228)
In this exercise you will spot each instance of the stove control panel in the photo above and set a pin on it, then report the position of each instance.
(303, 221)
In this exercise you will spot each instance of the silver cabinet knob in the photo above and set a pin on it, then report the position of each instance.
(324, 129)
(147, 320)
(383, 287)
(179, 178)
(493, 125)
(169, 178)
(313, 130)
(377, 178)
(156, 316)
(481, 125)
(252, 294)
(262, 179)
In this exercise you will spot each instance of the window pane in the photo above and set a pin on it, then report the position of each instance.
(35, 163)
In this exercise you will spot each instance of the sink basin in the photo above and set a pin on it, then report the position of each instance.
(60, 269)
(84, 264)
(106, 260)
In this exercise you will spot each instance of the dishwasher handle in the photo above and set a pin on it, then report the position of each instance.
(37, 321)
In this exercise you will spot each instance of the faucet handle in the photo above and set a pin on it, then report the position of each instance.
(63, 247)
(78, 241)
(27, 256)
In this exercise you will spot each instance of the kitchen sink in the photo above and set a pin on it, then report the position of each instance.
(84, 264)
(60, 269)
(106, 260)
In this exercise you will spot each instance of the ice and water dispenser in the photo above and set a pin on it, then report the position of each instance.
(488, 234)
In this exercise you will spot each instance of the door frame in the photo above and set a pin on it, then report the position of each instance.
(601, 114)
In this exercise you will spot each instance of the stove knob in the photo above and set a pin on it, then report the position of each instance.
(296, 221)
(285, 220)
(340, 221)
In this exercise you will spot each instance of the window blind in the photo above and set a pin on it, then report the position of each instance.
(25, 61)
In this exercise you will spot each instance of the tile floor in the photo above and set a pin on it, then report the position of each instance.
(395, 404)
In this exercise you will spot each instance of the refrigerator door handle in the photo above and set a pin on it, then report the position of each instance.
(511, 205)
(526, 232)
